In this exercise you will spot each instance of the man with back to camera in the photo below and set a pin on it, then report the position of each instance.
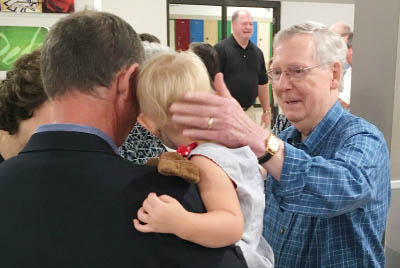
(243, 66)
(68, 199)
(328, 185)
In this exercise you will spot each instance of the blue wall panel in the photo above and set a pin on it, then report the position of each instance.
(196, 31)
(253, 38)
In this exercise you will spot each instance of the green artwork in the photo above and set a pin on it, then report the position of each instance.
(16, 41)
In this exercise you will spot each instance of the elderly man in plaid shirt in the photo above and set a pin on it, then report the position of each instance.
(328, 185)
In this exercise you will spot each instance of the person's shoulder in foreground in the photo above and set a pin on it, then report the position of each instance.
(80, 210)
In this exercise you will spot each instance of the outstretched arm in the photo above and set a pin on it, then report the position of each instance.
(222, 225)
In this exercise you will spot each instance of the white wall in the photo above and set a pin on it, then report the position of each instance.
(145, 16)
(326, 13)
(215, 11)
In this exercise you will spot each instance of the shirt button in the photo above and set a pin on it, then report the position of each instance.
(282, 230)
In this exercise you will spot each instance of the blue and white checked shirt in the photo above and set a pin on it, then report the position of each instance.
(329, 208)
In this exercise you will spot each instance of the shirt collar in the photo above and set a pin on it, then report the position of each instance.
(79, 128)
(318, 134)
(236, 44)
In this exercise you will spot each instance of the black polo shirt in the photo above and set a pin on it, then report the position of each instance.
(1, 159)
(243, 69)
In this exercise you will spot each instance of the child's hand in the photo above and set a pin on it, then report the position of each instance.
(160, 214)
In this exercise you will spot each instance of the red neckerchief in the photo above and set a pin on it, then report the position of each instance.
(185, 150)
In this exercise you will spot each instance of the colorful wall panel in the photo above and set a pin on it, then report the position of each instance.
(16, 41)
(172, 34)
(211, 32)
(228, 28)
(253, 37)
(264, 39)
(196, 31)
(182, 30)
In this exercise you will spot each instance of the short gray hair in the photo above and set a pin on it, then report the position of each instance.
(152, 49)
(85, 50)
(329, 47)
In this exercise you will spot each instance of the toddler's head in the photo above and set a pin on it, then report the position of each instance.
(163, 80)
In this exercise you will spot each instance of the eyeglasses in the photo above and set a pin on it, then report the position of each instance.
(294, 72)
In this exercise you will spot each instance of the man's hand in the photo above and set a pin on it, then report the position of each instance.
(229, 126)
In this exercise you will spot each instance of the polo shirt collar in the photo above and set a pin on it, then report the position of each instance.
(236, 44)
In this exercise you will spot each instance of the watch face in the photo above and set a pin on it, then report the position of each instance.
(273, 144)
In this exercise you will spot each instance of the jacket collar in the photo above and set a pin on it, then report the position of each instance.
(67, 141)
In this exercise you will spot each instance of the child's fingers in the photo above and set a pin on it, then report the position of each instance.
(148, 202)
(154, 201)
(142, 215)
(166, 198)
(144, 228)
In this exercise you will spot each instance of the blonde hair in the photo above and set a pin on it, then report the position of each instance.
(165, 79)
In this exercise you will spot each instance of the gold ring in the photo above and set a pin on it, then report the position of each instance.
(210, 123)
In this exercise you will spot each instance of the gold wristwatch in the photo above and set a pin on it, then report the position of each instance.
(272, 146)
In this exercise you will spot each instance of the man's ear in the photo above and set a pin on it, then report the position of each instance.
(149, 124)
(337, 75)
(125, 80)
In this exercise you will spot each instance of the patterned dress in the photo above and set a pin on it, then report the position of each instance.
(281, 124)
(140, 145)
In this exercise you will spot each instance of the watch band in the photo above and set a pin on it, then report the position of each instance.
(264, 158)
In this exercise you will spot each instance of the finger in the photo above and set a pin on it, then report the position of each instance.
(167, 199)
(147, 204)
(195, 109)
(220, 86)
(142, 215)
(197, 122)
(144, 228)
(154, 200)
(203, 98)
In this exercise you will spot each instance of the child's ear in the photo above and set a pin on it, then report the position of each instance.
(149, 124)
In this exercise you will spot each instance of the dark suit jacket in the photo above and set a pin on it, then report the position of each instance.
(67, 200)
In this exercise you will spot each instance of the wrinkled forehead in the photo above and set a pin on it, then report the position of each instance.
(297, 50)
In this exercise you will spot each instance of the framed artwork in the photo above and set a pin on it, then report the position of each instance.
(58, 6)
(21, 6)
(38, 6)
(16, 41)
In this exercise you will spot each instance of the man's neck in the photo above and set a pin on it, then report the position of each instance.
(85, 109)
(242, 42)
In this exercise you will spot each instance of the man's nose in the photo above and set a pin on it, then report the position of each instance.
(284, 81)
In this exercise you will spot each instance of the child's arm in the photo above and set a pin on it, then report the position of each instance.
(222, 225)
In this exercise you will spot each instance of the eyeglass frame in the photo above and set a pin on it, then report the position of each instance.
(290, 75)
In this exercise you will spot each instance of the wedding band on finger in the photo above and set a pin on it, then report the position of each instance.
(210, 123)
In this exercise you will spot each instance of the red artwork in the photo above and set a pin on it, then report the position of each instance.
(58, 6)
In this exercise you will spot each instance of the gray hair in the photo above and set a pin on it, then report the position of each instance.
(85, 50)
(152, 49)
(329, 47)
